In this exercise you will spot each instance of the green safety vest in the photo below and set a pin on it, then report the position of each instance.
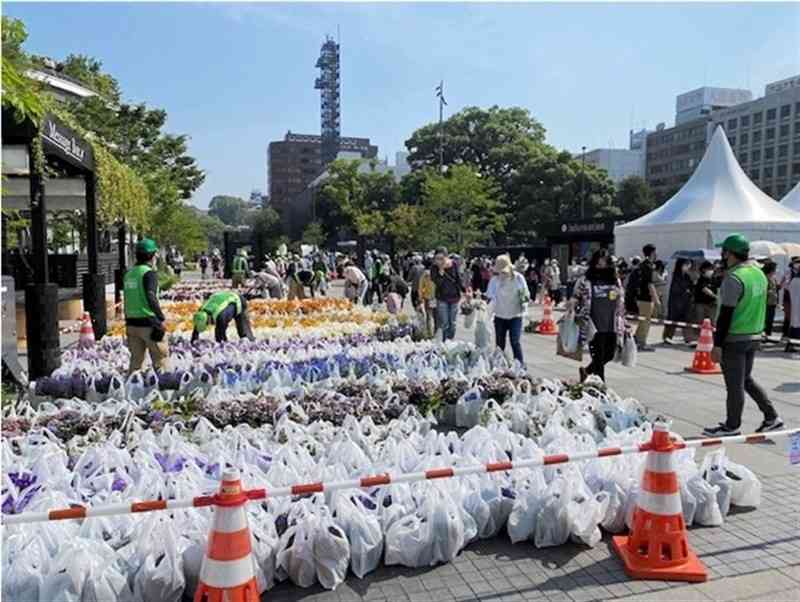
(750, 312)
(219, 301)
(239, 265)
(136, 304)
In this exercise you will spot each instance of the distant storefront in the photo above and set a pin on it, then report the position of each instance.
(570, 239)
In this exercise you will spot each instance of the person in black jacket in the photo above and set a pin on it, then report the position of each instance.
(448, 292)
(679, 304)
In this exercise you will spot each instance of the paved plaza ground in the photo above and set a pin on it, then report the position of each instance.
(755, 555)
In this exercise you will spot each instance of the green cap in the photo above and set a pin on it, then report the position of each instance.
(243, 252)
(146, 245)
(200, 321)
(736, 243)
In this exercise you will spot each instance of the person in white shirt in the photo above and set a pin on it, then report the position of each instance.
(355, 283)
(508, 293)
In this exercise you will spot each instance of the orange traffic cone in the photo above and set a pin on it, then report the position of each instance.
(702, 362)
(86, 337)
(547, 326)
(228, 570)
(657, 547)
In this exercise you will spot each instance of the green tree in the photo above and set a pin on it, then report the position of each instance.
(267, 230)
(635, 197)
(460, 209)
(553, 185)
(403, 226)
(134, 135)
(495, 140)
(231, 210)
(355, 200)
(179, 227)
(535, 182)
(314, 234)
(20, 93)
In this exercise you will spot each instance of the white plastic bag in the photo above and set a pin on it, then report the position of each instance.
(568, 333)
(713, 471)
(552, 522)
(738, 484)
(481, 330)
(708, 512)
(85, 571)
(468, 408)
(522, 520)
(363, 530)
(331, 552)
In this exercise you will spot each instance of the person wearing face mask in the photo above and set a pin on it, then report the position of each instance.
(743, 308)
(705, 294)
(680, 301)
(448, 292)
(509, 297)
(599, 305)
(794, 295)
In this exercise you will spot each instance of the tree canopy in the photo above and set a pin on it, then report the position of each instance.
(534, 182)
(231, 210)
(635, 197)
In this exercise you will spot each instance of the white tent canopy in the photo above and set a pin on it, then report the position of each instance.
(792, 198)
(717, 200)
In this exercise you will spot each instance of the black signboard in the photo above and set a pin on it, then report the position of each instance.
(581, 229)
(61, 141)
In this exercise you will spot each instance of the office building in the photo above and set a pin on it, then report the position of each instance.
(765, 136)
(673, 154)
(700, 103)
(619, 163)
(292, 163)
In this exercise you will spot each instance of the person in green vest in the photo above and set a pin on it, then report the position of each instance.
(144, 320)
(240, 269)
(219, 309)
(743, 305)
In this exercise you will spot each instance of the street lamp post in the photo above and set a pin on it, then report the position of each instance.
(583, 181)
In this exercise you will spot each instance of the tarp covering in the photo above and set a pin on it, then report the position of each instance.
(717, 200)
(792, 198)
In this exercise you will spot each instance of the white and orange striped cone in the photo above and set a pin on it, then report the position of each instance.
(86, 338)
(547, 326)
(228, 570)
(702, 362)
(657, 547)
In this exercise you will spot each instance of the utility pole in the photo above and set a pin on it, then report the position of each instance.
(442, 103)
(583, 181)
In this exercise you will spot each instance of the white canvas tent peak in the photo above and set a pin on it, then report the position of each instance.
(792, 198)
(717, 200)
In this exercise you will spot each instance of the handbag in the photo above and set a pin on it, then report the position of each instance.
(576, 355)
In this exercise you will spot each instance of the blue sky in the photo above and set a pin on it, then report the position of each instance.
(235, 76)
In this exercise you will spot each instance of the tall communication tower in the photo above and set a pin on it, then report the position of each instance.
(328, 83)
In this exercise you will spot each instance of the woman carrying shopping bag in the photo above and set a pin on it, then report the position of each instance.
(509, 297)
(599, 306)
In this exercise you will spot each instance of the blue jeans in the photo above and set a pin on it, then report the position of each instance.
(513, 328)
(447, 313)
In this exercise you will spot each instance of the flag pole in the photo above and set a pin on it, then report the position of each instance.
(441, 131)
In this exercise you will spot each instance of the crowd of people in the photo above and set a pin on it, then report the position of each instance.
(604, 295)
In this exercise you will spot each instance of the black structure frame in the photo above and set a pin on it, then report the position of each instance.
(73, 155)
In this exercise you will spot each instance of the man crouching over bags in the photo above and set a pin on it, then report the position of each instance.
(144, 320)
(219, 310)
